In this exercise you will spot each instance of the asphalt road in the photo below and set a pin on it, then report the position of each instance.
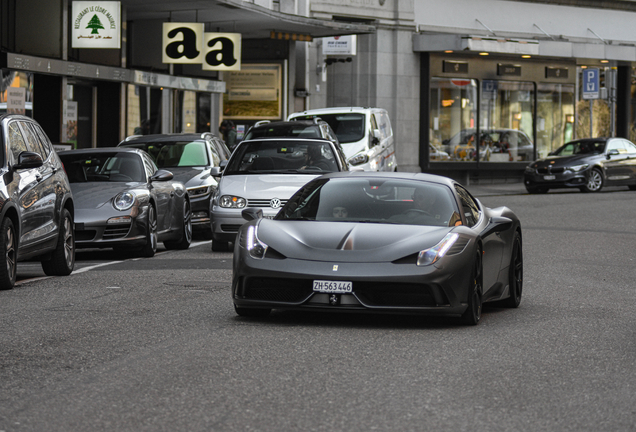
(155, 345)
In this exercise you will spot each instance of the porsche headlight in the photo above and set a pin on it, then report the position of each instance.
(198, 191)
(254, 246)
(431, 255)
(229, 201)
(359, 159)
(577, 168)
(124, 201)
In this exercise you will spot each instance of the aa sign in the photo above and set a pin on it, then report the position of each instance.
(187, 43)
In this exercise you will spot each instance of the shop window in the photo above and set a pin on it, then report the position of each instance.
(555, 117)
(143, 111)
(506, 117)
(453, 116)
(185, 111)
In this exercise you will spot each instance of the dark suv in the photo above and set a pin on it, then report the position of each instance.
(189, 156)
(313, 129)
(36, 204)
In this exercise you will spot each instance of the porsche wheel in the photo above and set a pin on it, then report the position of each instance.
(8, 249)
(62, 260)
(515, 274)
(473, 312)
(150, 248)
(186, 232)
(594, 182)
(250, 312)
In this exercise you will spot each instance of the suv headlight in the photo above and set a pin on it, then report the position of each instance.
(254, 246)
(229, 201)
(198, 191)
(124, 201)
(431, 255)
(359, 159)
(577, 168)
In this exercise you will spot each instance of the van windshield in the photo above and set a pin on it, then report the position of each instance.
(349, 127)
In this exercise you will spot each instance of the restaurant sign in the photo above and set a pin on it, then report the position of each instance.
(96, 24)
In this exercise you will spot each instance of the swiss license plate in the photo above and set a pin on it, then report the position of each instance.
(549, 177)
(333, 287)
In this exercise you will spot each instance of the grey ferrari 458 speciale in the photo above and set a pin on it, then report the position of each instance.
(379, 242)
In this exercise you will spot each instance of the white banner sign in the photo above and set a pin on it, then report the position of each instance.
(222, 51)
(96, 24)
(339, 45)
(16, 99)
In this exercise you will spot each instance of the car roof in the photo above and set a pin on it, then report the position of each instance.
(166, 137)
(337, 110)
(103, 150)
(432, 178)
(288, 123)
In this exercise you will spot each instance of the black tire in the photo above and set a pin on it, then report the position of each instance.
(219, 246)
(472, 315)
(536, 189)
(62, 260)
(595, 181)
(186, 231)
(515, 274)
(251, 313)
(9, 250)
(632, 187)
(150, 248)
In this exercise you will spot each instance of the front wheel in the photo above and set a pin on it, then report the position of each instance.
(472, 315)
(595, 181)
(150, 248)
(9, 250)
(62, 260)
(186, 232)
(515, 274)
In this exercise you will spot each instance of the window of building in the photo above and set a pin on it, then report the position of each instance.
(555, 117)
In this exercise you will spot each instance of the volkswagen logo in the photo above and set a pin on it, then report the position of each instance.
(274, 203)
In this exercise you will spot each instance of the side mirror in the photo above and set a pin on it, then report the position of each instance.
(215, 172)
(252, 213)
(497, 224)
(612, 152)
(162, 175)
(28, 159)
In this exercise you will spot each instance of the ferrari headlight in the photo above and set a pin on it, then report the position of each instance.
(124, 201)
(254, 246)
(359, 159)
(198, 191)
(577, 168)
(430, 256)
(229, 201)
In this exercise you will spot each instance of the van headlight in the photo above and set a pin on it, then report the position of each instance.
(431, 255)
(359, 159)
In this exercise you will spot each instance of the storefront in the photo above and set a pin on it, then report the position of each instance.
(488, 116)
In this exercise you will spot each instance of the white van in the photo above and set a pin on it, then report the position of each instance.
(364, 133)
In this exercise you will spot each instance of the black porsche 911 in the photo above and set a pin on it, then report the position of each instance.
(379, 242)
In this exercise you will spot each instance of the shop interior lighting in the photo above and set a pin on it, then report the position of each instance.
(483, 53)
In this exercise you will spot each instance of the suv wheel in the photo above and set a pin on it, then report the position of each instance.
(62, 260)
(8, 249)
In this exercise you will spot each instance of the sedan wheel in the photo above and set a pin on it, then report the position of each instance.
(62, 260)
(515, 278)
(594, 181)
(8, 249)
(472, 315)
(186, 231)
(150, 248)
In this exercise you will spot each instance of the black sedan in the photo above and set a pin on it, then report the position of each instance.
(189, 157)
(123, 201)
(370, 242)
(588, 164)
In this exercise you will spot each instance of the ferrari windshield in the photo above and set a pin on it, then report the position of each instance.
(373, 200)
(103, 167)
(282, 157)
(171, 154)
(581, 147)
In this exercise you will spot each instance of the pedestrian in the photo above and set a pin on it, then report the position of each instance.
(229, 133)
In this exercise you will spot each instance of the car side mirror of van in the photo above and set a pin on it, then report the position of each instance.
(215, 171)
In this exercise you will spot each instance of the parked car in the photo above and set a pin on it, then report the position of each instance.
(37, 207)
(123, 201)
(588, 164)
(314, 128)
(189, 157)
(365, 134)
(382, 243)
(264, 173)
(495, 145)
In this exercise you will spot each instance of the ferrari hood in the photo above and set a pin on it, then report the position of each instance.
(266, 186)
(335, 241)
(93, 195)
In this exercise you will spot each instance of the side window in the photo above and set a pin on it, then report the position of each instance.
(149, 166)
(216, 159)
(16, 141)
(33, 140)
(631, 148)
(374, 123)
(616, 144)
(470, 208)
(44, 139)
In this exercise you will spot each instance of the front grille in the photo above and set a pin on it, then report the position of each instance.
(230, 228)
(116, 231)
(85, 235)
(263, 202)
(277, 290)
(553, 170)
(395, 295)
